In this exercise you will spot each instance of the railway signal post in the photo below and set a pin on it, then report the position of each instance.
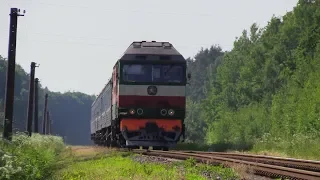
(9, 97)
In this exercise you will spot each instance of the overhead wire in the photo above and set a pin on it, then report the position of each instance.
(67, 41)
(103, 45)
(113, 9)
(8, 3)
(130, 10)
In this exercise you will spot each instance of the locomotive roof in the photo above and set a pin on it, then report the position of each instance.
(139, 50)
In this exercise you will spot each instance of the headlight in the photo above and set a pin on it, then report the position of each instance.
(139, 111)
(132, 111)
(171, 112)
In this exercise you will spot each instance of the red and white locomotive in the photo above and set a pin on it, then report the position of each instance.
(144, 102)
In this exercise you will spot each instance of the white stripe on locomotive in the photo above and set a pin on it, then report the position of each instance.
(141, 90)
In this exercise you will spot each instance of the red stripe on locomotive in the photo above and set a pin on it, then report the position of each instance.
(152, 101)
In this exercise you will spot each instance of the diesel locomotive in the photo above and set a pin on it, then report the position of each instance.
(144, 102)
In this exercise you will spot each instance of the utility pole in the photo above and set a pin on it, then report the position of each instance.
(44, 122)
(48, 128)
(7, 132)
(31, 98)
(36, 104)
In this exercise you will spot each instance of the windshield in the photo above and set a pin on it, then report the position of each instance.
(172, 73)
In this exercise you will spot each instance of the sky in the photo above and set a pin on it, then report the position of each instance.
(77, 42)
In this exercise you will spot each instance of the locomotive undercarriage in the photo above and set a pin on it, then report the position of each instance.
(105, 138)
(150, 136)
(109, 136)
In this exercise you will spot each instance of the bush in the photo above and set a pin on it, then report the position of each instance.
(218, 147)
(298, 146)
(29, 157)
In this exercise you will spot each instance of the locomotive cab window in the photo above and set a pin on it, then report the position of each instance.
(159, 73)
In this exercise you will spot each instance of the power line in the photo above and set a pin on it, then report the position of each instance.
(98, 44)
(126, 10)
(64, 35)
(117, 45)
(77, 43)
(8, 3)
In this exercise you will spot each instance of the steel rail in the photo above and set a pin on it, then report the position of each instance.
(309, 165)
(273, 171)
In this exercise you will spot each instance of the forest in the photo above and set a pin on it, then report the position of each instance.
(263, 94)
(66, 109)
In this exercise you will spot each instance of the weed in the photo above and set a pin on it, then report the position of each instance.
(120, 165)
(293, 147)
(29, 157)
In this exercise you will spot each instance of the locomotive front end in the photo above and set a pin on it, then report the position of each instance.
(151, 104)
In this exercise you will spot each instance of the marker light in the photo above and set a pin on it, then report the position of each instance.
(139, 111)
(163, 112)
(171, 112)
(132, 111)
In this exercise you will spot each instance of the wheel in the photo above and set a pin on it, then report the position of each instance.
(113, 143)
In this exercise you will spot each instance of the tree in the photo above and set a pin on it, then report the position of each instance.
(66, 109)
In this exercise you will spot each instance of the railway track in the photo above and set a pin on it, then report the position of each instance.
(273, 167)
(308, 165)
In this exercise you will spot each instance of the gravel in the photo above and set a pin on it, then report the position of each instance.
(154, 159)
(162, 160)
(168, 161)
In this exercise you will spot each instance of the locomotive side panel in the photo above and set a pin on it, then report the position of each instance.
(101, 110)
(106, 106)
(95, 116)
(115, 90)
(93, 121)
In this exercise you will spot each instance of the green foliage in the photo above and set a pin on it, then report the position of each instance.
(1, 122)
(299, 146)
(192, 146)
(29, 157)
(203, 67)
(195, 127)
(212, 172)
(266, 86)
(66, 109)
(216, 147)
(116, 166)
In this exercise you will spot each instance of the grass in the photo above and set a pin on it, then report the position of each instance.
(218, 147)
(298, 146)
(108, 164)
(29, 157)
(46, 157)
